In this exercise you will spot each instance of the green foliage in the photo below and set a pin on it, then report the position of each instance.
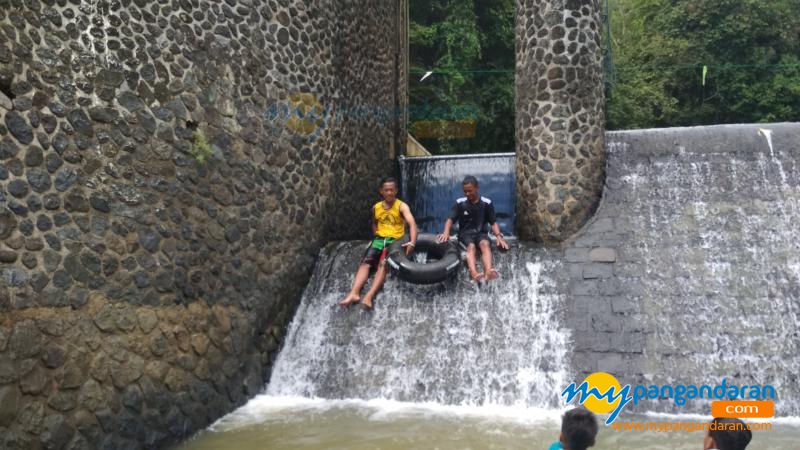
(469, 44)
(750, 47)
(200, 150)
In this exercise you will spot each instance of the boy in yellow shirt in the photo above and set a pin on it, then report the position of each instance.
(389, 217)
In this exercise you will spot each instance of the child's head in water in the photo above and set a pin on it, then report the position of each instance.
(727, 434)
(578, 429)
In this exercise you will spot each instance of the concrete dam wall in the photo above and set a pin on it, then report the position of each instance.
(689, 272)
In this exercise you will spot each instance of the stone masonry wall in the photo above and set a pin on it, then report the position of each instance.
(156, 229)
(559, 117)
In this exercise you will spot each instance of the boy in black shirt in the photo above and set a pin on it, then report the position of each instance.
(474, 213)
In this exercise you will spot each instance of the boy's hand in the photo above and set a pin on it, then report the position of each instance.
(409, 247)
(502, 243)
(442, 238)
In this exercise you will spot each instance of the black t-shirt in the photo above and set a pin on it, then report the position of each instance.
(473, 216)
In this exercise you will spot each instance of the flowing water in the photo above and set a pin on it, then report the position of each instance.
(449, 366)
(432, 184)
(450, 343)
(708, 220)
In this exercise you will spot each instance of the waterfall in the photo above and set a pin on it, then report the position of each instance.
(706, 223)
(451, 343)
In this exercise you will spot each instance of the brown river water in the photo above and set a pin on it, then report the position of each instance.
(296, 423)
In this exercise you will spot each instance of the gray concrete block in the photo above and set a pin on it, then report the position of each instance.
(591, 239)
(585, 287)
(634, 322)
(628, 342)
(610, 363)
(576, 255)
(575, 270)
(579, 322)
(628, 269)
(591, 305)
(592, 341)
(602, 225)
(603, 254)
(584, 362)
(610, 287)
(638, 364)
(624, 305)
(597, 270)
(607, 323)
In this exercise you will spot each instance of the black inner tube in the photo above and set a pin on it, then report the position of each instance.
(442, 260)
(435, 251)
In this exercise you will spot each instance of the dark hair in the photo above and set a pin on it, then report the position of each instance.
(579, 428)
(469, 179)
(731, 434)
(389, 180)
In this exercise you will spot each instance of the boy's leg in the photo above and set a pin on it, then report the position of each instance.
(472, 263)
(486, 258)
(467, 241)
(377, 283)
(362, 275)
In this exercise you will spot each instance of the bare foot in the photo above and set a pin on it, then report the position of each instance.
(492, 275)
(350, 299)
(367, 304)
(478, 277)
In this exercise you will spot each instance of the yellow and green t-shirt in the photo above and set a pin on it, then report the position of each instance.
(390, 221)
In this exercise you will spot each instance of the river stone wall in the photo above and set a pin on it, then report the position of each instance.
(559, 117)
(156, 229)
(689, 272)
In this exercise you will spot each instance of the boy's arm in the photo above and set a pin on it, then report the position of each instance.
(496, 228)
(374, 223)
(445, 236)
(412, 225)
(500, 241)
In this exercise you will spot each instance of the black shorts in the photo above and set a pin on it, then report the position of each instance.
(374, 255)
(472, 237)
